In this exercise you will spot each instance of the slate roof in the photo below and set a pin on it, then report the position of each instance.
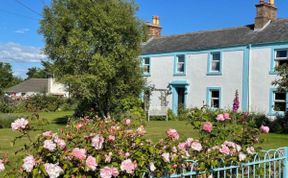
(30, 85)
(276, 31)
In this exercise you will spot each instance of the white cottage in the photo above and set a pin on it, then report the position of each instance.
(207, 67)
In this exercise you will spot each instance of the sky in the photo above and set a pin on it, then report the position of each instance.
(21, 45)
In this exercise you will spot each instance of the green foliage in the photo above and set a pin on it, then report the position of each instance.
(94, 47)
(6, 77)
(44, 72)
(282, 81)
(6, 120)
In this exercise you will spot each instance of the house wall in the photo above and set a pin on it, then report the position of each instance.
(56, 88)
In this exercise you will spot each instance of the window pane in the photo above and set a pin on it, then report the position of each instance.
(281, 53)
(215, 103)
(180, 67)
(280, 96)
(146, 60)
(215, 65)
(181, 58)
(280, 106)
(215, 94)
(216, 56)
(147, 69)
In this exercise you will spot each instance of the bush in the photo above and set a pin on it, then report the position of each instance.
(6, 120)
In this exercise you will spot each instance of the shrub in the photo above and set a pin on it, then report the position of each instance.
(6, 120)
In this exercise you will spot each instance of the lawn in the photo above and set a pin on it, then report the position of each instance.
(155, 131)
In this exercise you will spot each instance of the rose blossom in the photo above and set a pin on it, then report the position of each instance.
(19, 124)
(127, 154)
(226, 116)
(207, 126)
(2, 167)
(152, 167)
(166, 157)
(141, 130)
(224, 150)
(264, 129)
(79, 153)
(91, 163)
(182, 146)
(97, 142)
(242, 156)
(196, 146)
(61, 143)
(128, 166)
(108, 172)
(172, 133)
(47, 134)
(189, 142)
(127, 121)
(49, 145)
(220, 117)
(79, 125)
(250, 150)
(111, 138)
(29, 163)
(53, 170)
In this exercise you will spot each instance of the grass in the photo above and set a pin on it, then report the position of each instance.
(155, 131)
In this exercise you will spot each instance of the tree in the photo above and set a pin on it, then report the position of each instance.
(94, 46)
(44, 72)
(6, 77)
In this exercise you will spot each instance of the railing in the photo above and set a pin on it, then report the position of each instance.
(267, 164)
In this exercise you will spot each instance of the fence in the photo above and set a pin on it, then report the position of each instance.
(267, 164)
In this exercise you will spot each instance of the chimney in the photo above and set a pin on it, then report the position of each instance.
(154, 29)
(266, 11)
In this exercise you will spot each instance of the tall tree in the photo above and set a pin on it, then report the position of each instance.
(44, 72)
(6, 77)
(94, 45)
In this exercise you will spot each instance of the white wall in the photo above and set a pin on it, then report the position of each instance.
(56, 88)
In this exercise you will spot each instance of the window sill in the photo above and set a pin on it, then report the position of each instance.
(179, 74)
(146, 75)
(280, 113)
(214, 73)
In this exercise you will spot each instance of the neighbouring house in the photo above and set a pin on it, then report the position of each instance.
(36, 86)
(207, 67)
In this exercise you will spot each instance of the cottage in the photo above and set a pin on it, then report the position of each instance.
(207, 67)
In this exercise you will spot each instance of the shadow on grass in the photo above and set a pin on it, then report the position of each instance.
(61, 120)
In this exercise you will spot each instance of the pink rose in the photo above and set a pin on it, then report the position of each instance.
(166, 157)
(61, 143)
(2, 167)
(47, 134)
(141, 130)
(79, 153)
(127, 121)
(29, 163)
(91, 163)
(111, 138)
(220, 117)
(128, 166)
(182, 146)
(79, 125)
(224, 150)
(97, 142)
(226, 116)
(196, 146)
(189, 141)
(108, 172)
(207, 126)
(49, 145)
(53, 170)
(127, 154)
(173, 134)
(19, 124)
(264, 129)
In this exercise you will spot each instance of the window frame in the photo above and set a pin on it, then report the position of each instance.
(272, 112)
(143, 65)
(210, 63)
(274, 59)
(209, 97)
(176, 62)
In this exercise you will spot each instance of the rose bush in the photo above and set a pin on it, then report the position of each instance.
(106, 148)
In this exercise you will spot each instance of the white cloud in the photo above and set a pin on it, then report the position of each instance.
(22, 30)
(13, 52)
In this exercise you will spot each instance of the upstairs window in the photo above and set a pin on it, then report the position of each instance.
(146, 65)
(214, 98)
(281, 57)
(180, 65)
(214, 63)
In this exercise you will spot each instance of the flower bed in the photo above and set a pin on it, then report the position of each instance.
(106, 148)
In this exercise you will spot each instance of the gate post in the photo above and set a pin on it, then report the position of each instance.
(285, 168)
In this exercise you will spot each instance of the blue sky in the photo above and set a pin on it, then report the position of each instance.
(20, 43)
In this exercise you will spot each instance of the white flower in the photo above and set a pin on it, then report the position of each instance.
(166, 157)
(29, 163)
(2, 167)
(53, 170)
(49, 145)
(152, 167)
(250, 150)
(97, 142)
(242, 156)
(19, 124)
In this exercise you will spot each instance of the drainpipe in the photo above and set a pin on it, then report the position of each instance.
(249, 74)
(246, 79)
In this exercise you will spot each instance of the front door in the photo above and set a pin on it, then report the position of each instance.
(181, 98)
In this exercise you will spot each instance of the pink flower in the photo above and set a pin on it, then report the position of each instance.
(182, 146)
(49, 145)
(53, 170)
(166, 157)
(91, 163)
(97, 142)
(2, 167)
(79, 153)
(127, 154)
(61, 143)
(207, 126)
(173, 134)
(196, 146)
(226, 116)
(19, 124)
(224, 150)
(141, 130)
(111, 138)
(127, 121)
(189, 142)
(29, 163)
(128, 166)
(47, 134)
(264, 129)
(108, 172)
(220, 117)
(79, 125)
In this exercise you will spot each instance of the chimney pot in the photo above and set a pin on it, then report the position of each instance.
(265, 12)
(154, 29)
